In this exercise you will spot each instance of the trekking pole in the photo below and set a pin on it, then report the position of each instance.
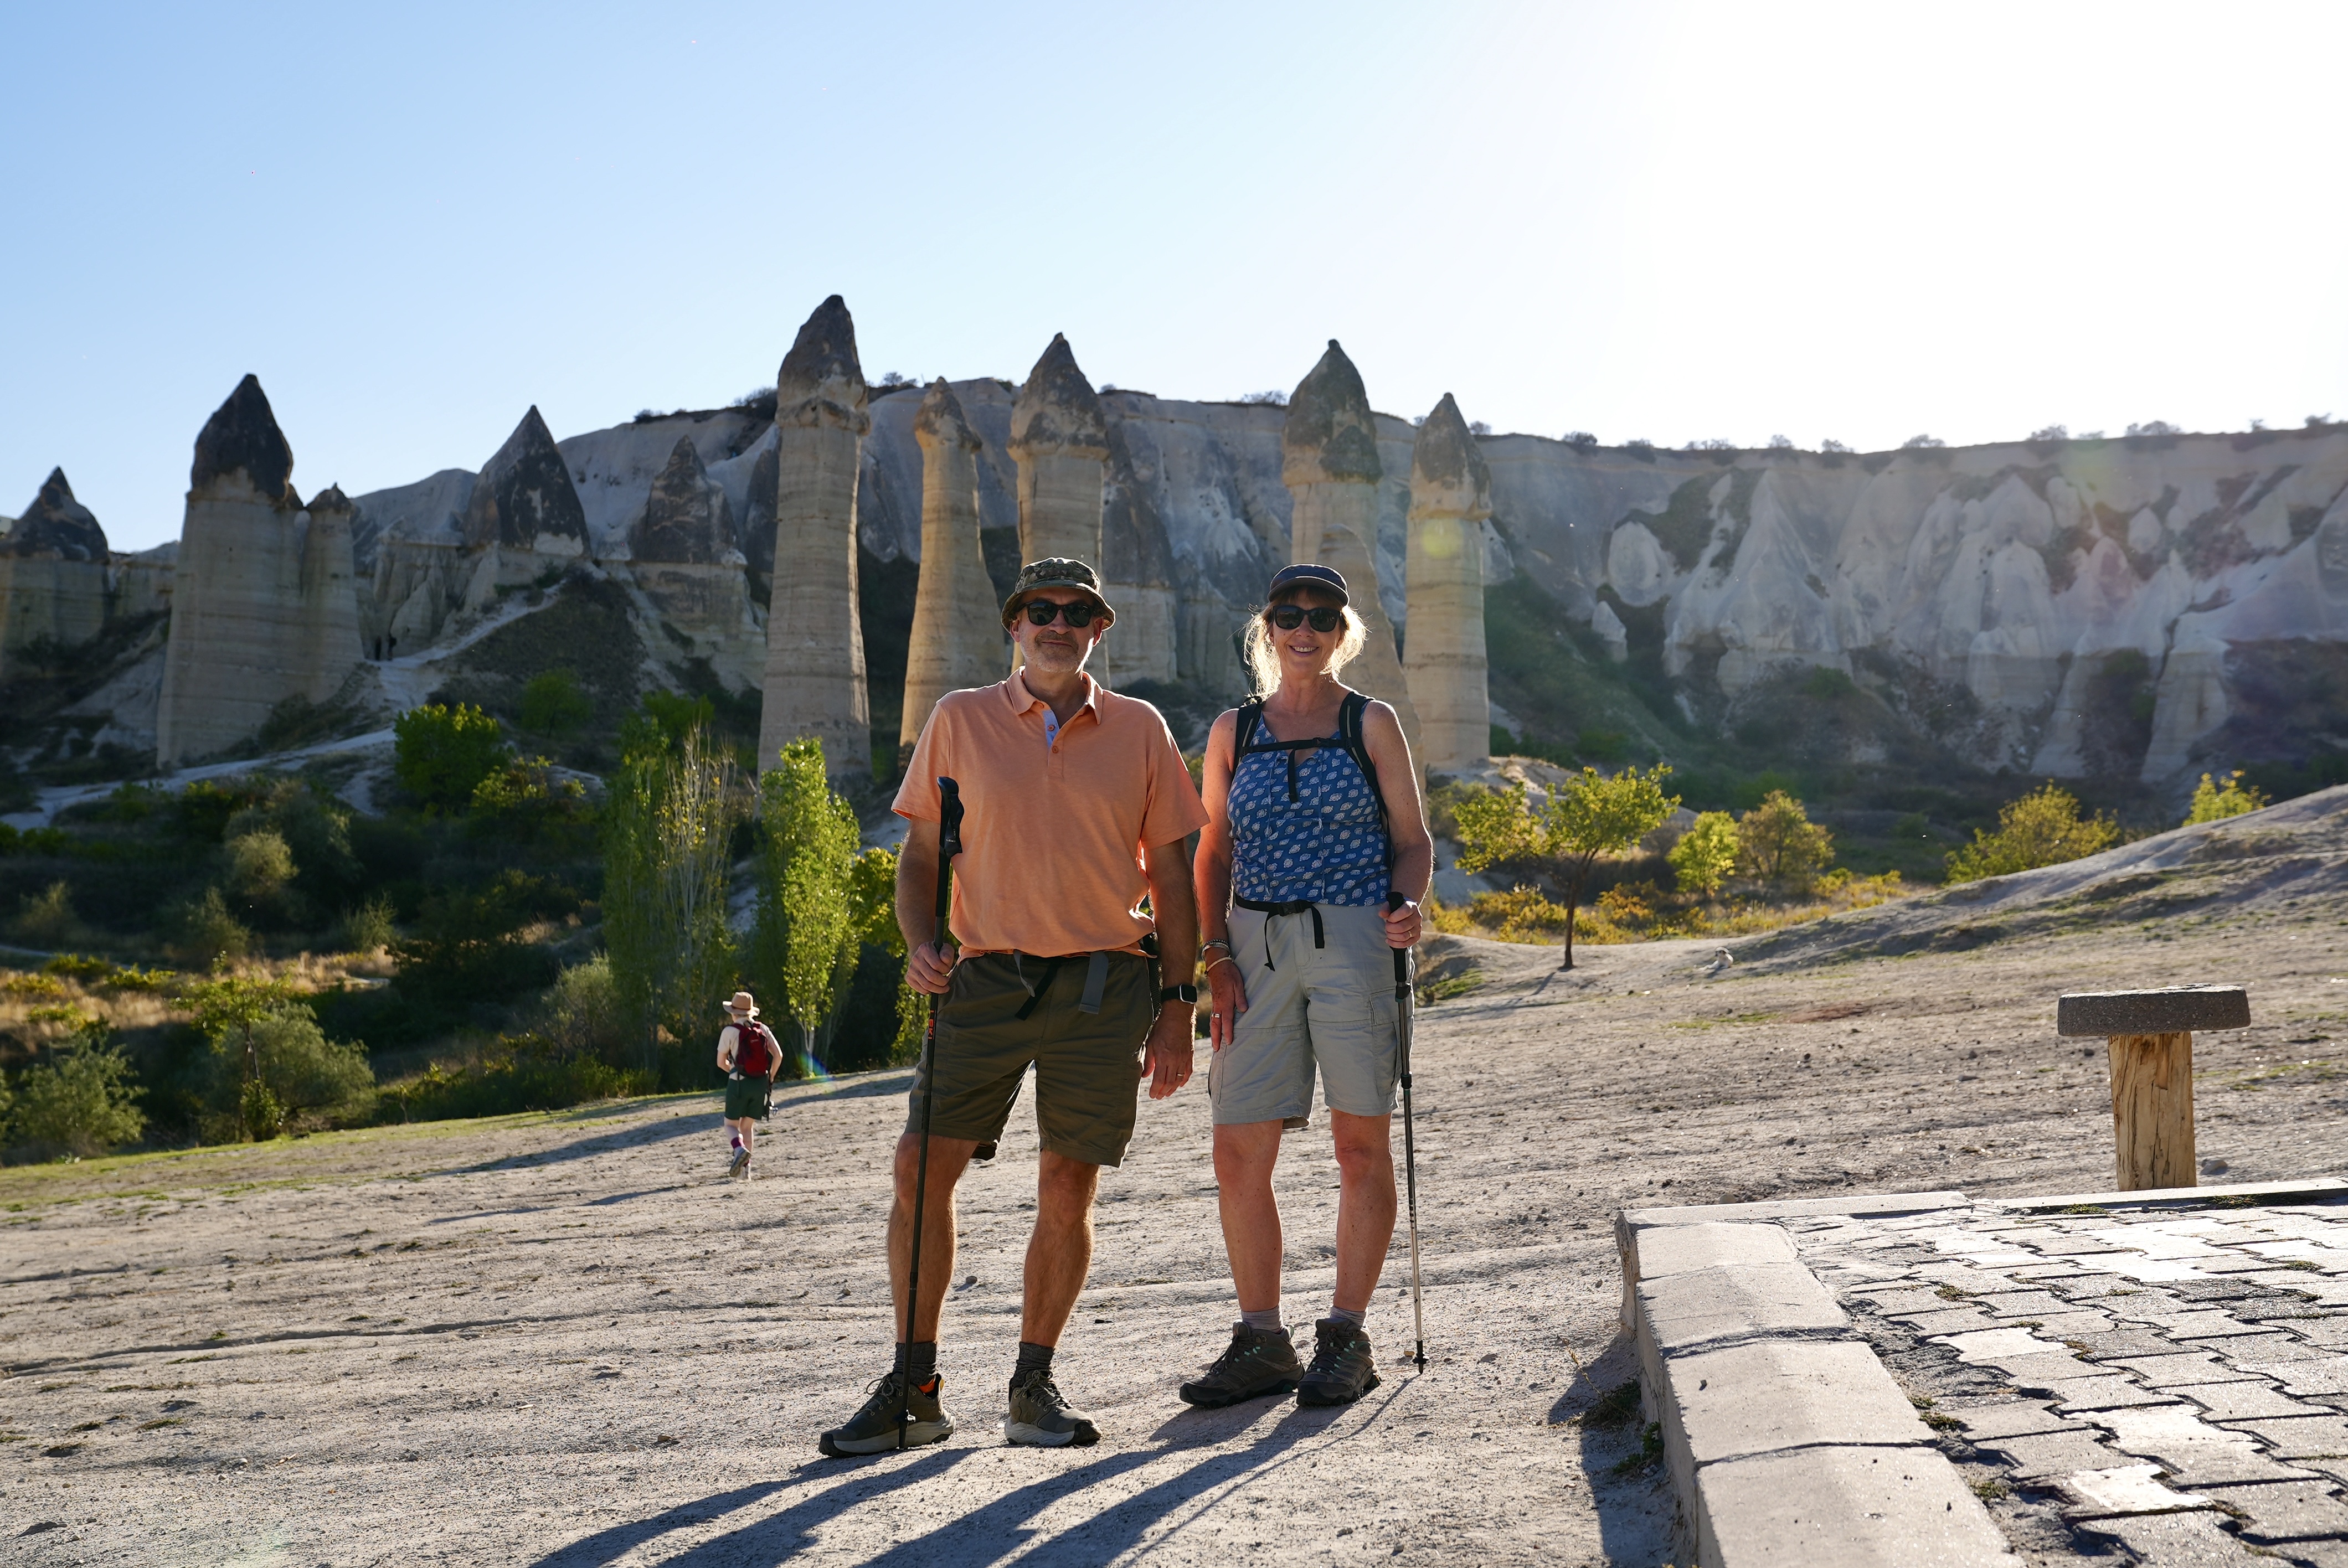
(949, 845)
(1404, 999)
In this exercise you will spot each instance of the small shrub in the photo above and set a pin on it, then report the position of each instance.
(582, 1015)
(47, 918)
(260, 865)
(203, 932)
(553, 704)
(2042, 828)
(258, 1111)
(2215, 803)
(307, 1076)
(369, 928)
(82, 1101)
(443, 753)
(1705, 854)
(522, 801)
(32, 986)
(1777, 844)
(1520, 914)
(1631, 905)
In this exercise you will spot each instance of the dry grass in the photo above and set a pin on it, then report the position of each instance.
(43, 1006)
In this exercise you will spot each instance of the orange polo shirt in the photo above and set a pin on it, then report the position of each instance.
(1055, 830)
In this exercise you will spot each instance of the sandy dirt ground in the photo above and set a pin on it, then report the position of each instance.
(564, 1340)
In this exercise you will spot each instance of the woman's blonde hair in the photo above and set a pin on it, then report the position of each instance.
(1263, 658)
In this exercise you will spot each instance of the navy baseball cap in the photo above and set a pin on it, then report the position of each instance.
(1306, 574)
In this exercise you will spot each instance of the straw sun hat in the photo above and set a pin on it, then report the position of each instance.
(742, 1004)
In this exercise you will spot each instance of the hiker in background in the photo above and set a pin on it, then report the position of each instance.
(1314, 818)
(750, 1056)
(1077, 804)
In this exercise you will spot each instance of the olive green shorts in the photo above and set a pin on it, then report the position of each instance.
(747, 1097)
(1087, 1064)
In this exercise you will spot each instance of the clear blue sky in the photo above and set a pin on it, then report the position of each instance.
(1668, 221)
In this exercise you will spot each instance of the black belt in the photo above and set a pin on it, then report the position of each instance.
(1096, 979)
(1292, 907)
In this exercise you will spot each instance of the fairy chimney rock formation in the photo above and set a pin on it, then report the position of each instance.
(1059, 439)
(1329, 461)
(957, 626)
(815, 643)
(1450, 496)
(1136, 568)
(236, 597)
(53, 566)
(524, 514)
(687, 562)
(329, 645)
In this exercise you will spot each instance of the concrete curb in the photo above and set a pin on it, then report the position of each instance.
(1786, 1441)
(2178, 1197)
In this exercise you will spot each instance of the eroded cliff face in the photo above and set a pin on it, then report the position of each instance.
(2067, 609)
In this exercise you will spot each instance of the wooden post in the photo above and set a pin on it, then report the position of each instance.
(2152, 1111)
(2150, 1036)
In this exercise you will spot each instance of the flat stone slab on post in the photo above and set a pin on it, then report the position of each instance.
(2179, 1009)
(2151, 1042)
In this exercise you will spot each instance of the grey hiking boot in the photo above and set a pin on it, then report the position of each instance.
(1040, 1416)
(873, 1429)
(1342, 1370)
(1257, 1362)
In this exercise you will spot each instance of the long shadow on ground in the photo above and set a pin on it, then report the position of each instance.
(783, 1534)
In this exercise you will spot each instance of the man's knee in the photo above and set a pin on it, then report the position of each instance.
(948, 1158)
(1062, 1183)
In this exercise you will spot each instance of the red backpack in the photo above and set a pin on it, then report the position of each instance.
(755, 1050)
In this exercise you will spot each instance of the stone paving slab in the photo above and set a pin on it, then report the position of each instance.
(2205, 1416)
(1844, 1508)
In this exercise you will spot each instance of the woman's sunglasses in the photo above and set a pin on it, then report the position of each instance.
(1042, 612)
(1289, 616)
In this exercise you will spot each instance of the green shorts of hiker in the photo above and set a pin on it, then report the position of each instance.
(747, 1096)
(1087, 1064)
(1330, 1008)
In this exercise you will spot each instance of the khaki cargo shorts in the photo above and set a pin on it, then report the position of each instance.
(1087, 1064)
(1330, 1008)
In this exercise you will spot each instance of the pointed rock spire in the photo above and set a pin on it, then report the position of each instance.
(821, 376)
(1056, 411)
(1447, 471)
(56, 526)
(1331, 434)
(686, 519)
(1445, 661)
(330, 500)
(525, 491)
(241, 437)
(940, 420)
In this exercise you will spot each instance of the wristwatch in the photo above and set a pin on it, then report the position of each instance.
(1179, 994)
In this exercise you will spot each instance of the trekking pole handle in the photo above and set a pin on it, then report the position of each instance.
(949, 810)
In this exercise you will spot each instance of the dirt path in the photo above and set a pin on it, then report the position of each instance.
(558, 1339)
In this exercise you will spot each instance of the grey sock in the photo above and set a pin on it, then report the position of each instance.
(1033, 1358)
(1350, 1319)
(1264, 1322)
(918, 1359)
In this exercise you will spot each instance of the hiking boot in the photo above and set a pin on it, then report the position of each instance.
(741, 1162)
(1257, 1362)
(873, 1429)
(1342, 1371)
(1040, 1416)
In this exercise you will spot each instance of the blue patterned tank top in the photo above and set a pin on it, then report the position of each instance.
(1326, 845)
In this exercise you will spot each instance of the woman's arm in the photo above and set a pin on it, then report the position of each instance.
(1414, 845)
(1211, 874)
(728, 1040)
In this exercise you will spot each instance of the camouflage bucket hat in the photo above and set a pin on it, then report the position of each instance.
(1057, 571)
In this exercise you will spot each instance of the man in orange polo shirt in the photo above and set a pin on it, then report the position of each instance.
(1077, 802)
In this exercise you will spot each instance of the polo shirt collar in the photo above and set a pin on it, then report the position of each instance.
(1022, 700)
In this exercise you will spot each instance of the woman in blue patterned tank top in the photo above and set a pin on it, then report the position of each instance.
(1313, 819)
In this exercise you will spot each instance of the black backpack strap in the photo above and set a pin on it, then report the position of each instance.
(1349, 731)
(1250, 716)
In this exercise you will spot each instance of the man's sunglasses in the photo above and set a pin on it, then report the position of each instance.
(1289, 616)
(1042, 612)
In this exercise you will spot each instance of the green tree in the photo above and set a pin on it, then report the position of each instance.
(553, 704)
(229, 1011)
(1705, 854)
(442, 754)
(303, 1073)
(1776, 843)
(809, 926)
(82, 1101)
(521, 801)
(2215, 803)
(669, 816)
(204, 932)
(2042, 828)
(260, 865)
(1588, 816)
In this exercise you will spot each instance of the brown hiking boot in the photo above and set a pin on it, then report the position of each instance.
(1342, 1370)
(1258, 1362)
